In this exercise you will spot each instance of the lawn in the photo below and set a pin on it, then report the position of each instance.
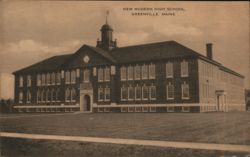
(233, 128)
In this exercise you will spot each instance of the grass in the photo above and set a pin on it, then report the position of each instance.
(41, 148)
(230, 128)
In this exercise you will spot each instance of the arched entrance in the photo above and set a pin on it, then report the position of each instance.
(86, 103)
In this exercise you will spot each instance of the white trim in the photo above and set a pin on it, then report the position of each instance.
(46, 106)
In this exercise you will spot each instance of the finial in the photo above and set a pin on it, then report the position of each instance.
(107, 13)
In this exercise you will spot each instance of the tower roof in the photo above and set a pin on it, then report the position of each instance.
(106, 27)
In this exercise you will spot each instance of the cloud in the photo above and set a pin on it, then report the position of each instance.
(16, 55)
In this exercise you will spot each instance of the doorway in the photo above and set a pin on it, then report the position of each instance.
(86, 103)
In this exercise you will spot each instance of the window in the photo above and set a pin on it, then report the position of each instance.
(107, 74)
(86, 75)
(169, 70)
(28, 96)
(43, 96)
(43, 80)
(38, 80)
(185, 91)
(107, 94)
(170, 91)
(152, 92)
(170, 109)
(53, 78)
(152, 71)
(137, 72)
(138, 92)
(145, 92)
(185, 109)
(145, 72)
(100, 94)
(38, 97)
(184, 68)
(73, 76)
(131, 93)
(28, 80)
(57, 95)
(48, 96)
(73, 94)
(48, 78)
(130, 73)
(67, 77)
(20, 81)
(58, 78)
(67, 95)
(52, 95)
(100, 75)
(124, 93)
(123, 71)
(20, 97)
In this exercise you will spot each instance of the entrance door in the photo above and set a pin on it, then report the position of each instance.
(86, 103)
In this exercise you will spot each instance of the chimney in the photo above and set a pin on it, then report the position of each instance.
(209, 50)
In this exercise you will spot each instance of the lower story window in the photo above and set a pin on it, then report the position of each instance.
(131, 93)
(152, 92)
(67, 95)
(138, 92)
(20, 97)
(100, 94)
(107, 94)
(185, 91)
(145, 92)
(28, 97)
(124, 93)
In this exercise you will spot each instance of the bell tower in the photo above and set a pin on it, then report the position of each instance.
(106, 42)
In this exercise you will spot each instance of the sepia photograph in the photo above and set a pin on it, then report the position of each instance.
(124, 79)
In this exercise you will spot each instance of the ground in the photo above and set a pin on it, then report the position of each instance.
(227, 128)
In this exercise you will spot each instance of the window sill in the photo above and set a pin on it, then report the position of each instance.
(184, 75)
(185, 98)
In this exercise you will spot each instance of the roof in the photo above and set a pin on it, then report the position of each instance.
(48, 64)
(128, 54)
(151, 51)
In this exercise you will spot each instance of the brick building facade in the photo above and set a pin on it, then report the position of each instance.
(155, 77)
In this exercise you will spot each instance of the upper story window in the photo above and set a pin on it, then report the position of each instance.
(67, 77)
(53, 79)
(20, 97)
(152, 92)
(130, 73)
(151, 71)
(137, 72)
(137, 92)
(28, 96)
(107, 74)
(20, 81)
(169, 70)
(185, 90)
(170, 91)
(184, 68)
(38, 80)
(86, 76)
(100, 75)
(43, 80)
(48, 79)
(58, 78)
(73, 76)
(145, 72)
(123, 71)
(28, 80)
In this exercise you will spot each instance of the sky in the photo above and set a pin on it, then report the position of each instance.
(34, 30)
